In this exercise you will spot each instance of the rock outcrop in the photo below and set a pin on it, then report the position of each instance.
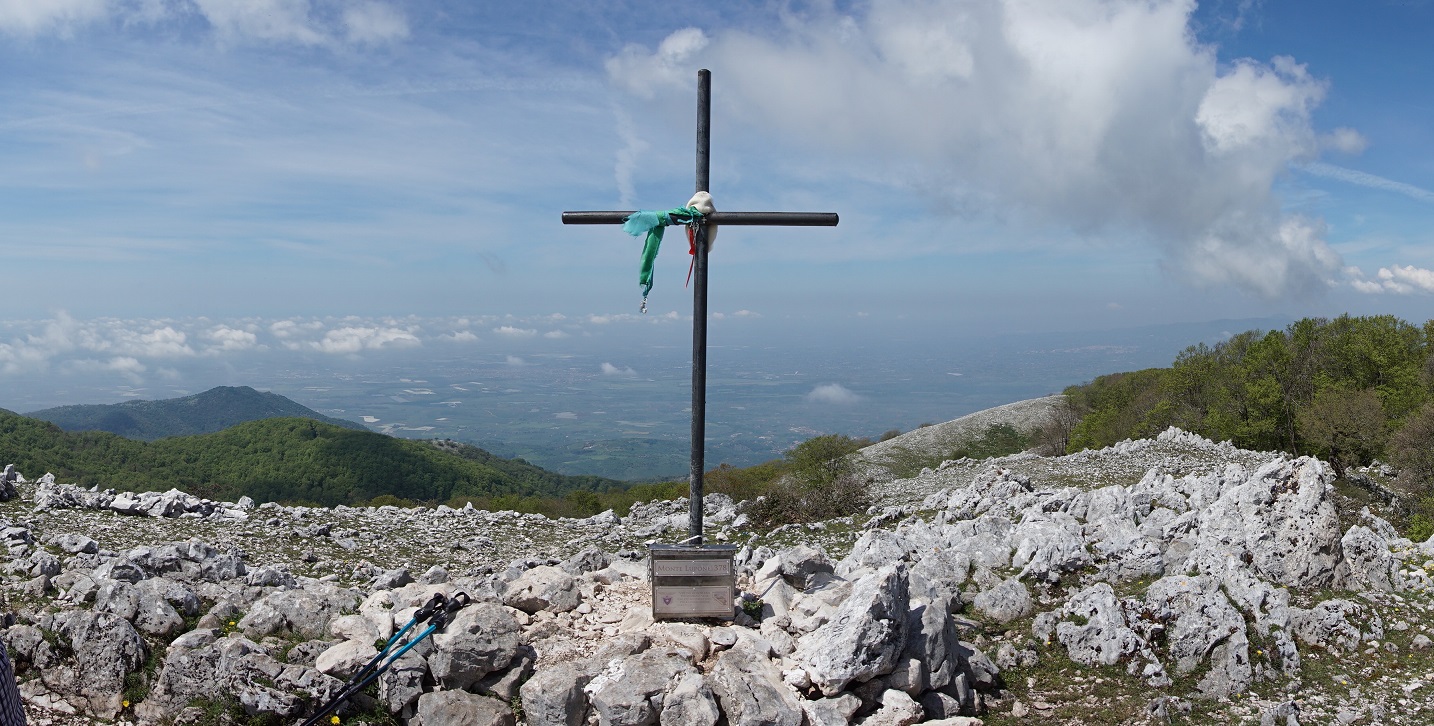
(1199, 586)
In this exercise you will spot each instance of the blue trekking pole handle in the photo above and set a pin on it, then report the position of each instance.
(440, 620)
(435, 605)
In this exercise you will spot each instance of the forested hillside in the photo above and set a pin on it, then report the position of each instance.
(203, 413)
(1349, 390)
(279, 459)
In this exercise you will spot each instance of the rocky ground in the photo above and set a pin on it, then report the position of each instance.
(1172, 580)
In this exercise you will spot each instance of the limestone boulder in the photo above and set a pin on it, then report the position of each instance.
(835, 711)
(459, 708)
(1331, 624)
(690, 700)
(750, 690)
(1199, 622)
(554, 696)
(105, 649)
(865, 635)
(1005, 602)
(1281, 520)
(1097, 633)
(305, 612)
(543, 588)
(345, 658)
(401, 685)
(1048, 545)
(481, 639)
(633, 690)
(1371, 565)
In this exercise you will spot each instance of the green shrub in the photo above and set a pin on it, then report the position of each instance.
(744, 483)
(1421, 527)
(995, 441)
(389, 500)
(791, 501)
(822, 460)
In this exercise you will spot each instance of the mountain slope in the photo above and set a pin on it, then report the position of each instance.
(213, 410)
(277, 459)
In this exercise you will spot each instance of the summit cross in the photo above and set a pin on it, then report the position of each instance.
(699, 286)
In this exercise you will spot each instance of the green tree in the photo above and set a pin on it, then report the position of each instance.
(1053, 438)
(1118, 406)
(822, 460)
(1412, 449)
(821, 483)
(1380, 353)
(1345, 427)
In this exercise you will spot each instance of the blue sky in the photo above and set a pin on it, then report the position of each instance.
(179, 177)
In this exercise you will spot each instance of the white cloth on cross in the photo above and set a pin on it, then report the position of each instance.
(702, 201)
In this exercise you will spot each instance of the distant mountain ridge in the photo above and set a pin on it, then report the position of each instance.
(202, 413)
(279, 459)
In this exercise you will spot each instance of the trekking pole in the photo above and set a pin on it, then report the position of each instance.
(438, 609)
(439, 621)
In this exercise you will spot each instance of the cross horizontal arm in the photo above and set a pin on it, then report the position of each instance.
(771, 219)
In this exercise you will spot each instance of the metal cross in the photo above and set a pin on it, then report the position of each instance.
(699, 286)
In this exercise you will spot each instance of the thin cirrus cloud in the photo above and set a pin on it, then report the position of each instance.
(304, 22)
(1098, 117)
(1364, 179)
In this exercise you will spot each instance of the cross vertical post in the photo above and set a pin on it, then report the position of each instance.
(699, 287)
(699, 315)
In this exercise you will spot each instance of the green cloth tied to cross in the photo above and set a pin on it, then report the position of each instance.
(653, 224)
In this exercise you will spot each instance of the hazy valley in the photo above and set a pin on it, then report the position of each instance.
(617, 406)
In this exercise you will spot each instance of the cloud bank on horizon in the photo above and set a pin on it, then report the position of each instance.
(140, 347)
(372, 153)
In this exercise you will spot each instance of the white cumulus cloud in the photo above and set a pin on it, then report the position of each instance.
(609, 369)
(228, 339)
(1399, 280)
(165, 342)
(128, 367)
(832, 393)
(1097, 116)
(643, 73)
(353, 339)
(514, 332)
(460, 336)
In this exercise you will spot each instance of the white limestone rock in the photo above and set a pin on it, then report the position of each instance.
(1010, 600)
(864, 637)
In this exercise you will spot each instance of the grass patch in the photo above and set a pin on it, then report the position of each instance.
(994, 441)
(137, 683)
(227, 711)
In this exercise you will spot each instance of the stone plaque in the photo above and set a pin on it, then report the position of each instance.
(692, 582)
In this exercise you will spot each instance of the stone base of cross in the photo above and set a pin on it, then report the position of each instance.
(699, 285)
